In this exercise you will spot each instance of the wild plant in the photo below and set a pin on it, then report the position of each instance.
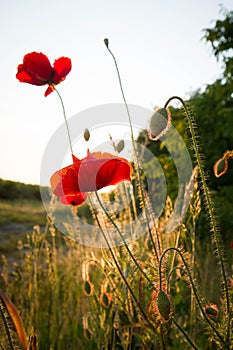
(142, 287)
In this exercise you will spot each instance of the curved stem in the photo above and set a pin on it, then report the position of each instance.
(210, 210)
(64, 114)
(193, 288)
(123, 239)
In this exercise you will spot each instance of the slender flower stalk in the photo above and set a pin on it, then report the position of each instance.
(123, 239)
(66, 122)
(118, 265)
(134, 149)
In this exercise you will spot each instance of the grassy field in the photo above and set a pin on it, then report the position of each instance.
(74, 297)
(17, 218)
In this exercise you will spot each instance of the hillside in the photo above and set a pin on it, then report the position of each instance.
(10, 190)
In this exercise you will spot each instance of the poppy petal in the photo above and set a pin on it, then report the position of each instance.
(36, 69)
(75, 159)
(91, 173)
(62, 67)
(64, 181)
(73, 199)
(94, 174)
(49, 90)
(112, 172)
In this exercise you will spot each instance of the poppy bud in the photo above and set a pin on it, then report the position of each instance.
(106, 42)
(211, 310)
(105, 299)
(86, 135)
(87, 334)
(120, 146)
(220, 167)
(163, 305)
(160, 122)
(88, 288)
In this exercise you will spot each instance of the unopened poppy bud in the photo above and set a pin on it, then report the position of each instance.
(87, 334)
(211, 310)
(88, 288)
(163, 305)
(120, 146)
(160, 122)
(86, 135)
(105, 299)
(106, 42)
(220, 167)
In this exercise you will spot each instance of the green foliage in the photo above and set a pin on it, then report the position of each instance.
(221, 39)
(16, 190)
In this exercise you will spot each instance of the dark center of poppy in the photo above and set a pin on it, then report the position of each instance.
(50, 80)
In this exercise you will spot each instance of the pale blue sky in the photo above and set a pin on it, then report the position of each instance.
(158, 47)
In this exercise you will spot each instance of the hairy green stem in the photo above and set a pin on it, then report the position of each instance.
(210, 209)
(193, 288)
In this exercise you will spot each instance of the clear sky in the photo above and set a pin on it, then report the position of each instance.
(157, 44)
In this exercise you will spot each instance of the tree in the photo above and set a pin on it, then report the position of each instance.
(221, 39)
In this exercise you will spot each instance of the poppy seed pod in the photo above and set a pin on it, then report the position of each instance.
(106, 42)
(86, 135)
(160, 122)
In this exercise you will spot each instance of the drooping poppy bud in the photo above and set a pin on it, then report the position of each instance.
(88, 288)
(160, 122)
(220, 167)
(163, 305)
(120, 146)
(211, 310)
(106, 299)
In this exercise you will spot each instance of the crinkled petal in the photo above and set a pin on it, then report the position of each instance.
(36, 69)
(64, 181)
(62, 67)
(94, 174)
(89, 174)
(112, 172)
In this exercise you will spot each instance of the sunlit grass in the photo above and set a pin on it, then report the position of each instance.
(23, 211)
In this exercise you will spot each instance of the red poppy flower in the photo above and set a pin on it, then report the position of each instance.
(89, 174)
(37, 70)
